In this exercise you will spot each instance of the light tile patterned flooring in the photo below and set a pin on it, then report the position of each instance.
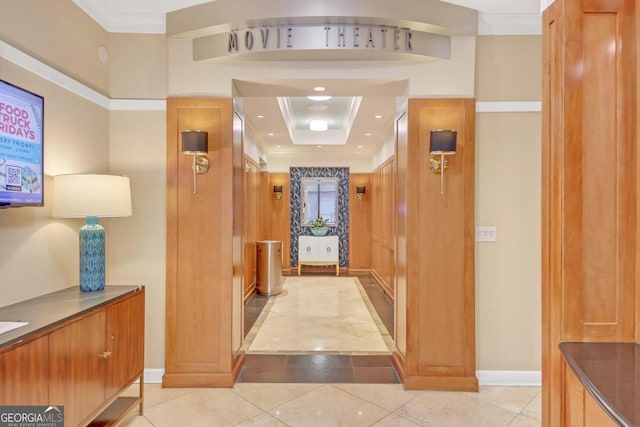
(248, 404)
(334, 404)
(319, 314)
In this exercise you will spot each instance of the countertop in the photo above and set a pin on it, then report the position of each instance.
(48, 310)
(611, 374)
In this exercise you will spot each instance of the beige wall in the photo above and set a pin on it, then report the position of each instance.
(136, 249)
(38, 254)
(138, 66)
(59, 34)
(508, 278)
(508, 156)
(509, 68)
(82, 137)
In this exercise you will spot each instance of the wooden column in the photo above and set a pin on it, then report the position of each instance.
(199, 294)
(440, 315)
(589, 181)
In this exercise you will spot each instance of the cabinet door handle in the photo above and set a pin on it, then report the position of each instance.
(308, 248)
(328, 248)
(105, 354)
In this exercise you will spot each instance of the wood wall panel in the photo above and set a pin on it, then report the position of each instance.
(252, 218)
(440, 251)
(589, 181)
(359, 223)
(280, 214)
(383, 226)
(199, 248)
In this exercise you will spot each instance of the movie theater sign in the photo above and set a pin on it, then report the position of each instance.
(323, 42)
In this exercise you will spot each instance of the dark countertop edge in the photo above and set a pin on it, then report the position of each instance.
(592, 389)
(41, 329)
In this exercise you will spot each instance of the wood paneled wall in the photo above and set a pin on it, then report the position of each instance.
(359, 223)
(252, 219)
(383, 227)
(278, 214)
(199, 249)
(440, 250)
(589, 181)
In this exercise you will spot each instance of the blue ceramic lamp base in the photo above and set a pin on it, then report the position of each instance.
(91, 255)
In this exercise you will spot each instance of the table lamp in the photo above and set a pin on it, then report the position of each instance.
(91, 196)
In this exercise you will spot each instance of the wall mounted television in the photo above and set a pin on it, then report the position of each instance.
(21, 147)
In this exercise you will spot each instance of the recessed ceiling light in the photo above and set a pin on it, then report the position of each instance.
(318, 125)
(319, 88)
(360, 146)
(367, 134)
(317, 107)
(271, 134)
(319, 146)
(277, 146)
(260, 116)
(319, 97)
(378, 116)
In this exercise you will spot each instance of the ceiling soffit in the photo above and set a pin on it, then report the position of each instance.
(222, 16)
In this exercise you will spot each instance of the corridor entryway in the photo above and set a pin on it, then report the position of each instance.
(320, 329)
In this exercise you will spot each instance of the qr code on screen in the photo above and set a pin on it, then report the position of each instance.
(14, 178)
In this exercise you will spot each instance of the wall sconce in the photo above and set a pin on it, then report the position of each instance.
(442, 143)
(360, 191)
(277, 191)
(195, 143)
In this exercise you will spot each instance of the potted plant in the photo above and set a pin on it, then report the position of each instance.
(319, 227)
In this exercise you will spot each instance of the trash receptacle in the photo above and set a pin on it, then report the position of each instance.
(269, 265)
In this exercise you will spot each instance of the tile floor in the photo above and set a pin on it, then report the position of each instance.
(319, 314)
(253, 404)
(319, 389)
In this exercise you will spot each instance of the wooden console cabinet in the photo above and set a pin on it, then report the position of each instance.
(81, 354)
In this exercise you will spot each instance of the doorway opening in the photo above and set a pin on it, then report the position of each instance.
(273, 118)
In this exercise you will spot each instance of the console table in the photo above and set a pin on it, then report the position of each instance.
(79, 350)
(322, 250)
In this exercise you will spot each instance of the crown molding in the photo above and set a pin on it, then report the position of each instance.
(123, 22)
(155, 23)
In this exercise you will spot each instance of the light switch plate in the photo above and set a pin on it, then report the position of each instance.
(485, 234)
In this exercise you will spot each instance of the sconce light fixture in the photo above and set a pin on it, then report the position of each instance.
(195, 143)
(441, 144)
(360, 191)
(277, 191)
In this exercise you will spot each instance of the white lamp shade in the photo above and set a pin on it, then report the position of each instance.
(83, 195)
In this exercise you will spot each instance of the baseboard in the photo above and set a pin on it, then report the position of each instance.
(485, 378)
(153, 376)
(510, 378)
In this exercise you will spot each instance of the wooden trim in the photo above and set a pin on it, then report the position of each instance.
(441, 383)
(388, 291)
(398, 363)
(198, 380)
